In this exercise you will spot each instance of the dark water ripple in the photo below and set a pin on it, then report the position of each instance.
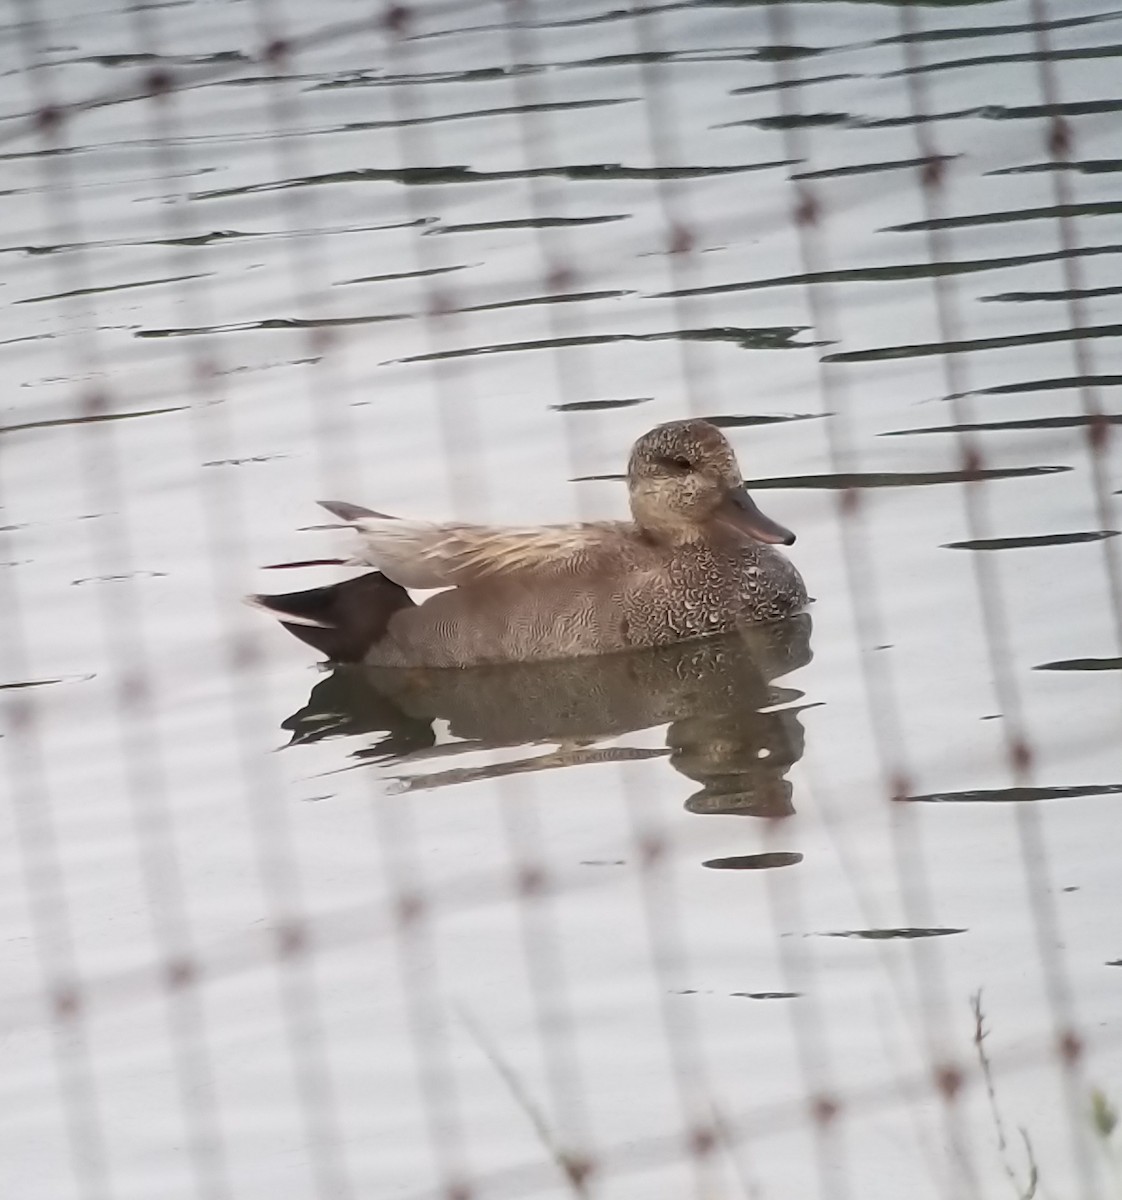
(767, 338)
(871, 479)
(600, 405)
(870, 168)
(1061, 295)
(1047, 212)
(89, 419)
(755, 862)
(996, 112)
(1048, 385)
(1030, 423)
(971, 345)
(1082, 664)
(881, 935)
(269, 323)
(1025, 543)
(1092, 166)
(988, 60)
(455, 174)
(1018, 795)
(895, 273)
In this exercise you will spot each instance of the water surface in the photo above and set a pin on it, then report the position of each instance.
(274, 931)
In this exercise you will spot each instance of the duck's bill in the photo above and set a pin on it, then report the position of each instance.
(739, 511)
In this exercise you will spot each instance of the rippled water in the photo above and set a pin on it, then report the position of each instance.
(306, 933)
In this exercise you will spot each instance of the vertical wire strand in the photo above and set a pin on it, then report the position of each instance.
(574, 374)
(912, 872)
(120, 619)
(417, 943)
(995, 622)
(1061, 146)
(43, 880)
(334, 435)
(661, 122)
(653, 844)
(460, 444)
(543, 955)
(421, 974)
(145, 767)
(555, 250)
(277, 869)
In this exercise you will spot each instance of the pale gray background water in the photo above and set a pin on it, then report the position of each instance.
(242, 275)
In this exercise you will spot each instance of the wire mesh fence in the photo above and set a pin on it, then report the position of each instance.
(790, 912)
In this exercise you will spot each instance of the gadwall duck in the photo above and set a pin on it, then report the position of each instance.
(697, 558)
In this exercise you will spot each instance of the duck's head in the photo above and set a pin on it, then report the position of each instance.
(685, 482)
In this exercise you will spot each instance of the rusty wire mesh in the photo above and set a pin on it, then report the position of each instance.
(126, 177)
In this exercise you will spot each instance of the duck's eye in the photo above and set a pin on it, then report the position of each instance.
(680, 462)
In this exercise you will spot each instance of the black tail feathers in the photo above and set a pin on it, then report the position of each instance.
(343, 620)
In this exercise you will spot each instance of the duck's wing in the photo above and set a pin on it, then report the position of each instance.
(421, 554)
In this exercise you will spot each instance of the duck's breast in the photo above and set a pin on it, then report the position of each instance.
(704, 589)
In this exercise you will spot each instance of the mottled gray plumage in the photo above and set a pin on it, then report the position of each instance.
(693, 561)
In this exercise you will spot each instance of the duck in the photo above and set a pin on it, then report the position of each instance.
(698, 557)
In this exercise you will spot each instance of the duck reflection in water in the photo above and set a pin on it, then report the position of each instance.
(731, 729)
